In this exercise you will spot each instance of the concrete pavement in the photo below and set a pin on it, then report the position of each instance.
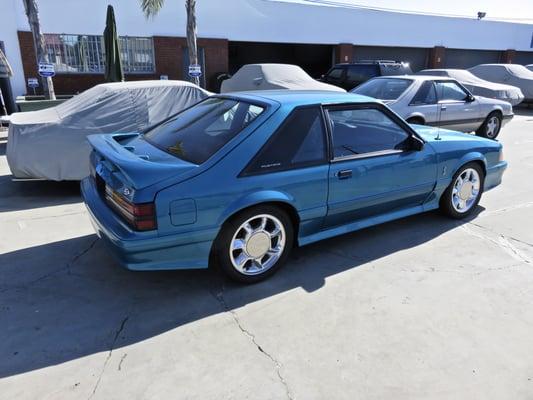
(420, 308)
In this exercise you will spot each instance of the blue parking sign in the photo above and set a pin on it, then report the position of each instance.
(46, 70)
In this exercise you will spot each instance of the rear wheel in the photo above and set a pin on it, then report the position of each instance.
(254, 244)
(463, 195)
(415, 120)
(491, 127)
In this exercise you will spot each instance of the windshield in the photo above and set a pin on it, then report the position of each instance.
(383, 88)
(197, 133)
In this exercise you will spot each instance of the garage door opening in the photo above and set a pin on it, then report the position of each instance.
(315, 59)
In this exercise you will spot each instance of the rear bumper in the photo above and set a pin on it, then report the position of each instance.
(494, 175)
(143, 251)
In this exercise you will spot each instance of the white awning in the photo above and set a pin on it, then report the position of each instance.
(5, 69)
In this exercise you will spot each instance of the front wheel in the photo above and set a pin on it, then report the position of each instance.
(491, 127)
(254, 244)
(463, 195)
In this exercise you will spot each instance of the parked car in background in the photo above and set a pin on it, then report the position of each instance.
(510, 74)
(439, 101)
(530, 67)
(273, 76)
(349, 75)
(242, 178)
(52, 143)
(478, 86)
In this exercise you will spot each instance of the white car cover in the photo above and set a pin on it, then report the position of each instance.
(273, 76)
(509, 74)
(51, 144)
(478, 86)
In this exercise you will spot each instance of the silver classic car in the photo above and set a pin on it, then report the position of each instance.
(439, 101)
(478, 86)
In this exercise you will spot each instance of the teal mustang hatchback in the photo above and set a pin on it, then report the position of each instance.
(242, 178)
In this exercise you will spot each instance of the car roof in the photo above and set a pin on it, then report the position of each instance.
(417, 77)
(301, 97)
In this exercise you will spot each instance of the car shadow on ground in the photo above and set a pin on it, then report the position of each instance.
(66, 300)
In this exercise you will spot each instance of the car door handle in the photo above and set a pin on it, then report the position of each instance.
(344, 174)
(443, 108)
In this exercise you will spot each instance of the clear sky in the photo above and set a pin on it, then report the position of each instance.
(522, 10)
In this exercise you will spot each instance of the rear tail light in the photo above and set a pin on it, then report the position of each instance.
(141, 217)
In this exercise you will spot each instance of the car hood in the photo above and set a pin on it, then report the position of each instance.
(432, 134)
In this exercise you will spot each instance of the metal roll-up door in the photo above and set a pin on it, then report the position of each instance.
(417, 57)
(463, 58)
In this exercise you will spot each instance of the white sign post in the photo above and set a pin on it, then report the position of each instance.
(33, 83)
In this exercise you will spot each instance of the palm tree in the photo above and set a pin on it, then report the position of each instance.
(32, 12)
(152, 7)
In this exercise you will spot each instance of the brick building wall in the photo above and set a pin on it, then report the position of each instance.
(168, 52)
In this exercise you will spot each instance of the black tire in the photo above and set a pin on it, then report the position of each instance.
(416, 121)
(446, 200)
(233, 227)
(485, 131)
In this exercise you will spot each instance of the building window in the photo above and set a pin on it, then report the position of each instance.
(86, 53)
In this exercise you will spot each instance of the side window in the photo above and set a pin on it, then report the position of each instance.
(361, 73)
(450, 91)
(425, 95)
(335, 73)
(299, 142)
(364, 130)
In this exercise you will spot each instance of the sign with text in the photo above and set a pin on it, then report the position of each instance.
(46, 70)
(195, 70)
(33, 82)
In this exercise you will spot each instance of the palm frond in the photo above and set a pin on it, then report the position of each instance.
(150, 8)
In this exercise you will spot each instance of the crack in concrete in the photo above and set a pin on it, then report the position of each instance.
(507, 236)
(109, 354)
(502, 242)
(220, 298)
(121, 361)
(80, 255)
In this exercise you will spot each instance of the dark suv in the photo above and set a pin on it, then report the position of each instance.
(349, 75)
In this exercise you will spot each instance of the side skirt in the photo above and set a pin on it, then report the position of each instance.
(365, 223)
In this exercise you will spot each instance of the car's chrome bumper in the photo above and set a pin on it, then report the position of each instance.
(494, 175)
(142, 250)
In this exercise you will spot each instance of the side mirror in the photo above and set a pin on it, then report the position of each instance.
(417, 144)
(470, 98)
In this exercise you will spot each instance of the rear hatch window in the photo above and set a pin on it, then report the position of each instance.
(383, 88)
(396, 69)
(197, 133)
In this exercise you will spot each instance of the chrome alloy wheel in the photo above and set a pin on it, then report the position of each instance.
(493, 127)
(465, 190)
(257, 244)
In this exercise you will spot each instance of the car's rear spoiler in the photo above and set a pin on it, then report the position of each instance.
(137, 169)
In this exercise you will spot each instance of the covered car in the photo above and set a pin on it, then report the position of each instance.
(271, 77)
(530, 67)
(509, 74)
(478, 86)
(51, 144)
